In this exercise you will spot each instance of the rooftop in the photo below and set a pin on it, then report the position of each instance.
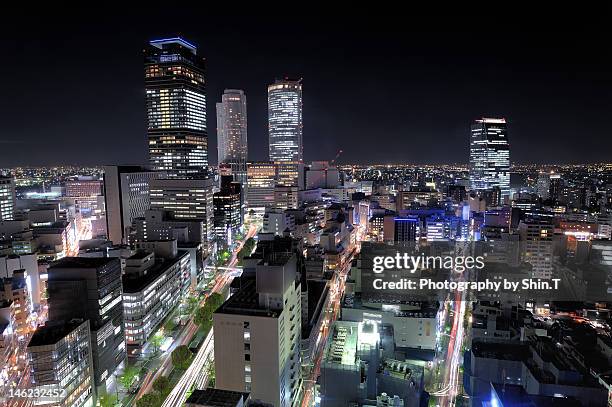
(216, 397)
(82, 262)
(133, 283)
(53, 332)
(246, 302)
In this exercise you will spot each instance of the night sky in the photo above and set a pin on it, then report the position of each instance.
(381, 90)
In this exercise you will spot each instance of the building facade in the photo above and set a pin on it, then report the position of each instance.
(232, 132)
(60, 361)
(90, 288)
(490, 155)
(7, 198)
(285, 129)
(126, 191)
(176, 107)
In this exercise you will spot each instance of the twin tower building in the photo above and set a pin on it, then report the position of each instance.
(175, 84)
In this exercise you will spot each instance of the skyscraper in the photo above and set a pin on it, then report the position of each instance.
(7, 198)
(285, 129)
(176, 107)
(232, 132)
(490, 156)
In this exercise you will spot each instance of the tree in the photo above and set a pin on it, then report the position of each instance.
(156, 341)
(181, 357)
(127, 377)
(161, 385)
(148, 400)
(204, 314)
(108, 400)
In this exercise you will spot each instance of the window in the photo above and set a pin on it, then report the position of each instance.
(247, 346)
(247, 357)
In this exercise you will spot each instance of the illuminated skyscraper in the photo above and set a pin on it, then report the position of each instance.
(176, 107)
(285, 129)
(7, 198)
(490, 156)
(232, 132)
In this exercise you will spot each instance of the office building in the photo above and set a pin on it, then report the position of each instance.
(176, 107)
(285, 121)
(285, 129)
(261, 180)
(83, 187)
(126, 191)
(152, 288)
(60, 360)
(543, 185)
(490, 156)
(257, 335)
(232, 133)
(186, 199)
(536, 239)
(321, 175)
(228, 209)
(404, 230)
(7, 199)
(278, 221)
(90, 288)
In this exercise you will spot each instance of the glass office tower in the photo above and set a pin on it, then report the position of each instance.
(232, 132)
(285, 129)
(490, 156)
(176, 107)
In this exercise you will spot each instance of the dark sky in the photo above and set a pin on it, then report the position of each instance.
(381, 89)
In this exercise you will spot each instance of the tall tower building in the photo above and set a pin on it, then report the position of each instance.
(7, 199)
(232, 132)
(285, 129)
(490, 156)
(176, 107)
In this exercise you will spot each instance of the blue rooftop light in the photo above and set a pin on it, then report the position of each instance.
(176, 40)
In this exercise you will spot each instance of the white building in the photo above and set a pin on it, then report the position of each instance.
(151, 290)
(126, 191)
(257, 335)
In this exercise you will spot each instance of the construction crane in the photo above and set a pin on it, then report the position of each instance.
(336, 157)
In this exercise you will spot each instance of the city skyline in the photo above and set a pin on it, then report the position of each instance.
(550, 95)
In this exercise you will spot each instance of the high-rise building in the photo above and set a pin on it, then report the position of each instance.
(90, 288)
(285, 129)
(228, 208)
(7, 198)
(61, 363)
(232, 132)
(536, 235)
(543, 185)
(261, 180)
(186, 199)
(176, 107)
(126, 191)
(257, 335)
(490, 156)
